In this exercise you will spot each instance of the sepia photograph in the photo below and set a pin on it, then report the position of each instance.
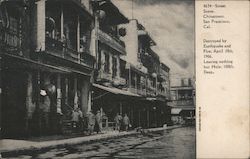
(97, 79)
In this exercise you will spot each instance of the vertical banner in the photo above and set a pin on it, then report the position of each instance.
(222, 71)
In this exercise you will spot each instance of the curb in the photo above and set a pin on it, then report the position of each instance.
(42, 147)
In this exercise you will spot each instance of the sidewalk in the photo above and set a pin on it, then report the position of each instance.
(10, 145)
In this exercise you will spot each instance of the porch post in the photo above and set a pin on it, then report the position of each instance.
(66, 91)
(75, 93)
(40, 29)
(78, 37)
(148, 117)
(62, 20)
(85, 96)
(29, 105)
(120, 106)
(58, 95)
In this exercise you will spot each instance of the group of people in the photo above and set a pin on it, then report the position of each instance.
(122, 123)
(92, 122)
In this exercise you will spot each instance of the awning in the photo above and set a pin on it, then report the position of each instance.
(115, 90)
(176, 111)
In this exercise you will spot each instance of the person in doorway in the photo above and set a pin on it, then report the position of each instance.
(99, 121)
(118, 121)
(45, 109)
(91, 122)
(126, 122)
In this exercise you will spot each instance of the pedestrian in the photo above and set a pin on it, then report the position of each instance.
(99, 121)
(77, 119)
(126, 122)
(118, 121)
(91, 122)
(45, 109)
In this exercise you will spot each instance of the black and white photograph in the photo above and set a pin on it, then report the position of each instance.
(97, 79)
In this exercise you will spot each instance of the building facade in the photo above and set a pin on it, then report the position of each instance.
(60, 55)
(44, 47)
(183, 102)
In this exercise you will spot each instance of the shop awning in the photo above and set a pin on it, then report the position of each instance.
(115, 90)
(176, 111)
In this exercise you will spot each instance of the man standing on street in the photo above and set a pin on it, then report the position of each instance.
(91, 122)
(126, 122)
(99, 121)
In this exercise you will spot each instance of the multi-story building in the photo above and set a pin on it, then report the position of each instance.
(44, 47)
(82, 54)
(183, 102)
(147, 77)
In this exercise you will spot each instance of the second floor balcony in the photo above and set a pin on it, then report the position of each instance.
(112, 41)
(58, 48)
(187, 102)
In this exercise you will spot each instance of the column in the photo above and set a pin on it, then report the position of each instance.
(85, 96)
(75, 93)
(148, 117)
(40, 28)
(66, 91)
(58, 95)
(120, 107)
(110, 64)
(118, 67)
(62, 20)
(30, 107)
(78, 38)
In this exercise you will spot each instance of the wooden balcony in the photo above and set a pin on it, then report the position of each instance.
(104, 76)
(112, 41)
(59, 49)
(119, 81)
(184, 102)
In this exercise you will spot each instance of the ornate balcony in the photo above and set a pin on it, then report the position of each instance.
(58, 48)
(119, 81)
(112, 41)
(187, 102)
(104, 76)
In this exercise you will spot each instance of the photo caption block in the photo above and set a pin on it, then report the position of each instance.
(222, 79)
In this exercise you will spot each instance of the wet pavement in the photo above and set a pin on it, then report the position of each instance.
(173, 144)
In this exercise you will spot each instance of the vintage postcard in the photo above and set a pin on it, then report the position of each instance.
(165, 79)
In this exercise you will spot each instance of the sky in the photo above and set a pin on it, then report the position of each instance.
(171, 24)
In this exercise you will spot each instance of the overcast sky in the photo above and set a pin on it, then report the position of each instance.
(171, 25)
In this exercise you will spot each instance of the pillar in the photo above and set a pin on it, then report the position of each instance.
(75, 94)
(30, 106)
(110, 63)
(118, 67)
(58, 95)
(148, 117)
(66, 91)
(85, 96)
(120, 107)
(40, 26)
(78, 38)
(62, 21)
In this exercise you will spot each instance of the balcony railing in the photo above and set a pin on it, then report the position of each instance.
(112, 41)
(186, 102)
(58, 48)
(119, 81)
(104, 76)
(151, 91)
